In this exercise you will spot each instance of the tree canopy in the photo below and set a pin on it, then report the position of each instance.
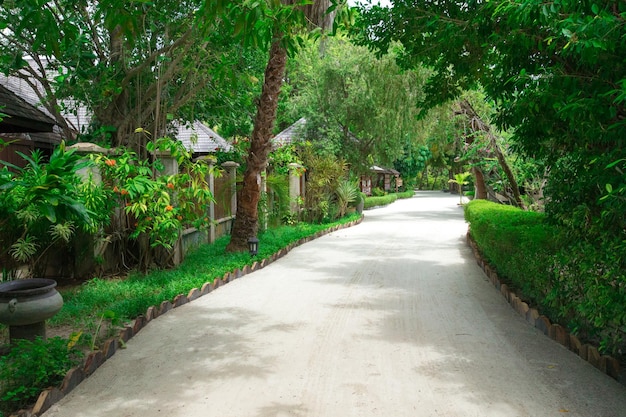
(556, 71)
(362, 107)
(131, 64)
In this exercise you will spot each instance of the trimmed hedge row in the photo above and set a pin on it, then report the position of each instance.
(577, 284)
(386, 199)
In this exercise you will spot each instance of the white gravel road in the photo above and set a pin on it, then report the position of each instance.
(388, 318)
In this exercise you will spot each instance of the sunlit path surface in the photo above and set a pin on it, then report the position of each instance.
(388, 318)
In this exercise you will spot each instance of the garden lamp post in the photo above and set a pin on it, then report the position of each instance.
(253, 246)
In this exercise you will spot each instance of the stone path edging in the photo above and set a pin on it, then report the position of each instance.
(94, 360)
(605, 363)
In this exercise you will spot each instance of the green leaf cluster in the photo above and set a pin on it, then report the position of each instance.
(156, 208)
(555, 72)
(358, 107)
(44, 204)
(32, 366)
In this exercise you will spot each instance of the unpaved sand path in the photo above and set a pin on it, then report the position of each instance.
(389, 318)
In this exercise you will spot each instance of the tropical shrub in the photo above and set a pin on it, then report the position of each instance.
(346, 193)
(42, 208)
(324, 172)
(153, 209)
(378, 192)
(461, 179)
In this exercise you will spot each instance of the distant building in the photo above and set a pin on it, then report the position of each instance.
(290, 135)
(200, 139)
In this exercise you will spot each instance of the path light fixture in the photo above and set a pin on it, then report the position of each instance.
(253, 246)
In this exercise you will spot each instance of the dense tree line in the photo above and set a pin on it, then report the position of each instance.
(556, 73)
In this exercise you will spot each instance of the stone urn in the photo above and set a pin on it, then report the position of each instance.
(26, 304)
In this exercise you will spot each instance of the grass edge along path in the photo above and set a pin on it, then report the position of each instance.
(122, 300)
(119, 301)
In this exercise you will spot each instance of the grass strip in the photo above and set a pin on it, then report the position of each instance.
(130, 297)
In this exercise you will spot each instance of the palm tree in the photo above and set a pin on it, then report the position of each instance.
(461, 180)
(246, 221)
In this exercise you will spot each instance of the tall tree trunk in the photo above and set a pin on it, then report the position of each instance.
(480, 188)
(246, 221)
(478, 124)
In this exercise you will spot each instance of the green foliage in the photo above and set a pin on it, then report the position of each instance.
(384, 200)
(360, 108)
(378, 192)
(323, 176)
(379, 201)
(461, 179)
(346, 192)
(115, 58)
(32, 366)
(579, 283)
(554, 70)
(509, 238)
(43, 205)
(412, 162)
(281, 157)
(405, 194)
(275, 203)
(588, 291)
(156, 208)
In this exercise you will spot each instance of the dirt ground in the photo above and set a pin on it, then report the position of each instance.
(389, 318)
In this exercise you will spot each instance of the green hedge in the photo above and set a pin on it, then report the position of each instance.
(578, 284)
(386, 199)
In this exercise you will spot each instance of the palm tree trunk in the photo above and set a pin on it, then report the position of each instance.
(246, 221)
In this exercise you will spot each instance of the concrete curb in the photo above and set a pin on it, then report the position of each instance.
(94, 360)
(556, 332)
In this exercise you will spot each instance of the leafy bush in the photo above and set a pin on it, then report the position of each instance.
(324, 174)
(405, 194)
(155, 208)
(387, 199)
(588, 291)
(42, 207)
(32, 366)
(380, 201)
(509, 238)
(578, 283)
(346, 193)
(378, 192)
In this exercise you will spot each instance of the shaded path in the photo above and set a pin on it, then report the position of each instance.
(389, 318)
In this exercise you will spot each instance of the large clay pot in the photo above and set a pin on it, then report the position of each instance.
(28, 301)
